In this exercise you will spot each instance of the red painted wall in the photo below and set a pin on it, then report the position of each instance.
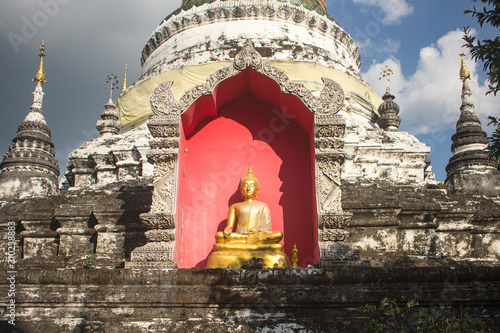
(246, 120)
(247, 131)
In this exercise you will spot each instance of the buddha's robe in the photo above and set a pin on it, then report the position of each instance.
(253, 238)
(254, 217)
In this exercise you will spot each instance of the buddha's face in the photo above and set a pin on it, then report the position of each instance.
(249, 189)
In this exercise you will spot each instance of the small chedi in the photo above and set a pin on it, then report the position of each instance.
(254, 237)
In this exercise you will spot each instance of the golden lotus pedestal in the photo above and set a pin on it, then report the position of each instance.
(230, 255)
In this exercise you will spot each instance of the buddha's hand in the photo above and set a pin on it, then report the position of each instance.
(253, 236)
(227, 231)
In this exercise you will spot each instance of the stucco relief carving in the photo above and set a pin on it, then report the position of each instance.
(252, 10)
(161, 235)
(157, 221)
(328, 193)
(164, 126)
(160, 221)
(162, 143)
(328, 144)
(334, 221)
(247, 57)
(165, 183)
(333, 235)
(332, 96)
(330, 131)
(154, 253)
(329, 103)
(162, 98)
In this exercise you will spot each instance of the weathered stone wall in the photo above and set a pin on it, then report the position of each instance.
(280, 300)
(419, 224)
(389, 223)
(441, 246)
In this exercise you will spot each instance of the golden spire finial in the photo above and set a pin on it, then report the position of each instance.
(464, 72)
(386, 74)
(124, 79)
(40, 74)
(323, 4)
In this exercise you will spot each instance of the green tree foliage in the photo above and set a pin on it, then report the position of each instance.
(404, 316)
(488, 52)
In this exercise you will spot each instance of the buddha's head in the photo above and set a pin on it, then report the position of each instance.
(249, 185)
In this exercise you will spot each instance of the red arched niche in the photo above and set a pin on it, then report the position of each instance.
(246, 121)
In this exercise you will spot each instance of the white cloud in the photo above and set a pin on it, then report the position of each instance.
(393, 10)
(390, 46)
(369, 48)
(430, 97)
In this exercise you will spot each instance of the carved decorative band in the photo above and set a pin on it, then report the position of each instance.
(32, 168)
(154, 252)
(327, 144)
(334, 221)
(329, 131)
(164, 131)
(163, 119)
(329, 160)
(159, 156)
(158, 221)
(167, 235)
(220, 11)
(164, 143)
(335, 119)
(34, 125)
(333, 235)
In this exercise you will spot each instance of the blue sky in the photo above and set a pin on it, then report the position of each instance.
(421, 41)
(86, 40)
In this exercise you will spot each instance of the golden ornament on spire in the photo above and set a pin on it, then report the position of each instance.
(464, 72)
(295, 256)
(323, 4)
(386, 74)
(124, 79)
(40, 74)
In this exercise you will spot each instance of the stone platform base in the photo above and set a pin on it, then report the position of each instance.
(222, 259)
(237, 300)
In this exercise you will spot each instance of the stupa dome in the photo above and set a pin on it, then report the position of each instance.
(204, 31)
(203, 36)
(191, 47)
(317, 5)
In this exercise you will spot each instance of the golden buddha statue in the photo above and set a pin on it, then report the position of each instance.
(253, 238)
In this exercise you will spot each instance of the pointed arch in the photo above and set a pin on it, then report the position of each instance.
(226, 92)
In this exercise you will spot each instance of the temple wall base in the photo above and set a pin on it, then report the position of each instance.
(262, 300)
(481, 181)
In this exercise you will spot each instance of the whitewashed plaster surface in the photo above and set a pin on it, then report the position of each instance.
(217, 40)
